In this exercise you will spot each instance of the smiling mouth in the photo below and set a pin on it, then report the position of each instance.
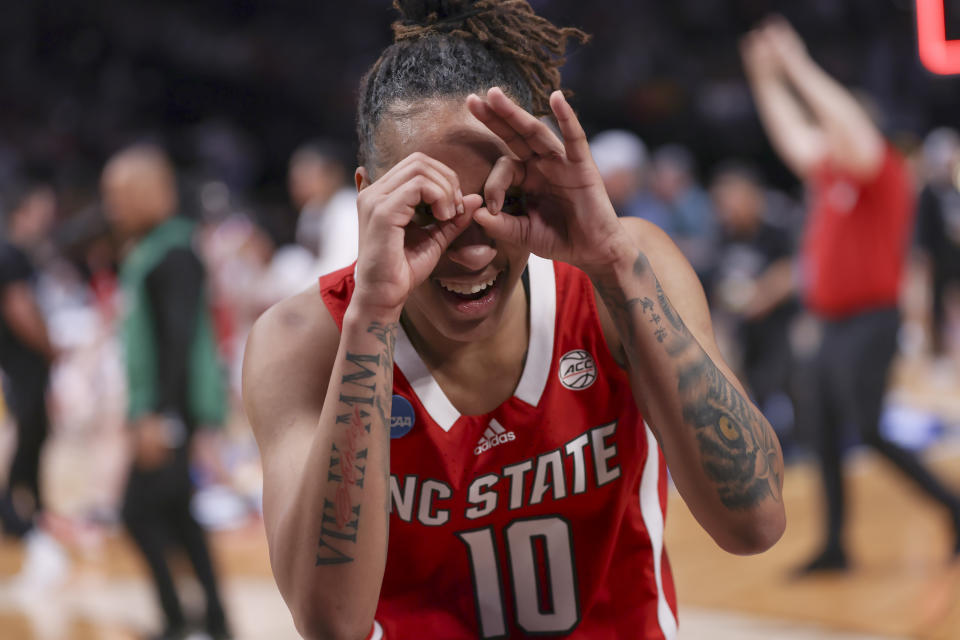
(470, 291)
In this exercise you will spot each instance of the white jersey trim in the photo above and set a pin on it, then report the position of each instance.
(652, 512)
(434, 400)
(536, 370)
(543, 318)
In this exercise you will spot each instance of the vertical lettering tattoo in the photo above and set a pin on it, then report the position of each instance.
(738, 448)
(366, 389)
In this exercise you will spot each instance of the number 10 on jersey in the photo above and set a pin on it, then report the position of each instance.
(542, 574)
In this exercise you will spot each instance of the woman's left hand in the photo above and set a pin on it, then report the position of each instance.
(569, 216)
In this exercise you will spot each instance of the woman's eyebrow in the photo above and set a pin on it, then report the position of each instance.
(480, 143)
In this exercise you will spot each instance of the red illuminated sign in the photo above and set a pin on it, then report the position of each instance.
(938, 54)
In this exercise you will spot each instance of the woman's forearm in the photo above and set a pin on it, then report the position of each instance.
(722, 452)
(331, 542)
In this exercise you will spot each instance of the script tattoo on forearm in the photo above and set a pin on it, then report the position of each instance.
(366, 390)
(737, 446)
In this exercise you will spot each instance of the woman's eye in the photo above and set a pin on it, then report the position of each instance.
(423, 215)
(514, 202)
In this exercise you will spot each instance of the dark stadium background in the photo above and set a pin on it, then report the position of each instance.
(231, 87)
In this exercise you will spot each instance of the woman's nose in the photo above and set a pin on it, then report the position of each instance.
(473, 249)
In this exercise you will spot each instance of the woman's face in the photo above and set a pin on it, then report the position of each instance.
(467, 294)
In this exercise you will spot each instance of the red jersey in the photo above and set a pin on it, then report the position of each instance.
(544, 516)
(857, 238)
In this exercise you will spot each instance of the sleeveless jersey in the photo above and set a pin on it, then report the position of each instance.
(544, 516)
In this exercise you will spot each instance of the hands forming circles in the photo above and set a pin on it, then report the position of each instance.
(568, 216)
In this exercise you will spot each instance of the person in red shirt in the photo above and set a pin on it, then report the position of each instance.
(853, 255)
(461, 434)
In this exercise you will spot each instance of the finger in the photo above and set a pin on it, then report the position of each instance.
(450, 176)
(504, 227)
(506, 173)
(445, 233)
(472, 202)
(574, 138)
(421, 164)
(425, 245)
(420, 188)
(485, 114)
(535, 133)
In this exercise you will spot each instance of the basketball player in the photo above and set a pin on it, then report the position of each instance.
(462, 434)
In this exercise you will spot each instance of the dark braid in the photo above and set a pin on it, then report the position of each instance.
(449, 48)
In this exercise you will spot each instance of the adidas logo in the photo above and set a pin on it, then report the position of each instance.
(494, 436)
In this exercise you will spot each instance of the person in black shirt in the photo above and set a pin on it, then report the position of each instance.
(753, 282)
(938, 223)
(166, 333)
(25, 357)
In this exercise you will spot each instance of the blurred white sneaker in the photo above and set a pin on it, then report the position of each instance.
(45, 562)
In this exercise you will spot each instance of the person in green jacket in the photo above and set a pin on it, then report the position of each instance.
(174, 378)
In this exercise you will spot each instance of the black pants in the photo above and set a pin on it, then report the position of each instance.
(156, 512)
(26, 396)
(942, 281)
(767, 358)
(852, 367)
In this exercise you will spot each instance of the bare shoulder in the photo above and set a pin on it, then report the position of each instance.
(287, 364)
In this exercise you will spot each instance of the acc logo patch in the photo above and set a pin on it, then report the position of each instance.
(577, 370)
(402, 417)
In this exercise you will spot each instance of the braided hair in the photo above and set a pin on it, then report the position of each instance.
(450, 48)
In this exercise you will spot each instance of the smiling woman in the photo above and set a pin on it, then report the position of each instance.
(466, 323)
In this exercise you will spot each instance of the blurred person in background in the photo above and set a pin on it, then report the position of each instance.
(621, 158)
(26, 355)
(855, 245)
(673, 182)
(753, 281)
(938, 227)
(174, 380)
(319, 187)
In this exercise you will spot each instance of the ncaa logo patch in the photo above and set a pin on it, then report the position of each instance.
(402, 417)
(577, 370)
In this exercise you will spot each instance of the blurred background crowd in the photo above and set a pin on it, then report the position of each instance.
(254, 102)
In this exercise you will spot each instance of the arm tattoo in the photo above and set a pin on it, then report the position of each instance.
(366, 390)
(737, 447)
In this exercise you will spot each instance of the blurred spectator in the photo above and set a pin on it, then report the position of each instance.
(319, 188)
(673, 182)
(621, 158)
(853, 256)
(26, 354)
(753, 281)
(938, 224)
(174, 381)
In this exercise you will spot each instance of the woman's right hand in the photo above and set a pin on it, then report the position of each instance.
(397, 254)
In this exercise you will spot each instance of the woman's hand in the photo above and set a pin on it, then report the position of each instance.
(396, 253)
(569, 216)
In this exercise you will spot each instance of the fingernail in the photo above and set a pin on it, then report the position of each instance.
(494, 207)
(460, 208)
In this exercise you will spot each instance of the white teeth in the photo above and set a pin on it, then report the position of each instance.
(467, 289)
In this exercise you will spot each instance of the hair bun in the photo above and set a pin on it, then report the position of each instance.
(428, 13)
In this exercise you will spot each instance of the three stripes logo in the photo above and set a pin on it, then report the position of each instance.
(493, 436)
